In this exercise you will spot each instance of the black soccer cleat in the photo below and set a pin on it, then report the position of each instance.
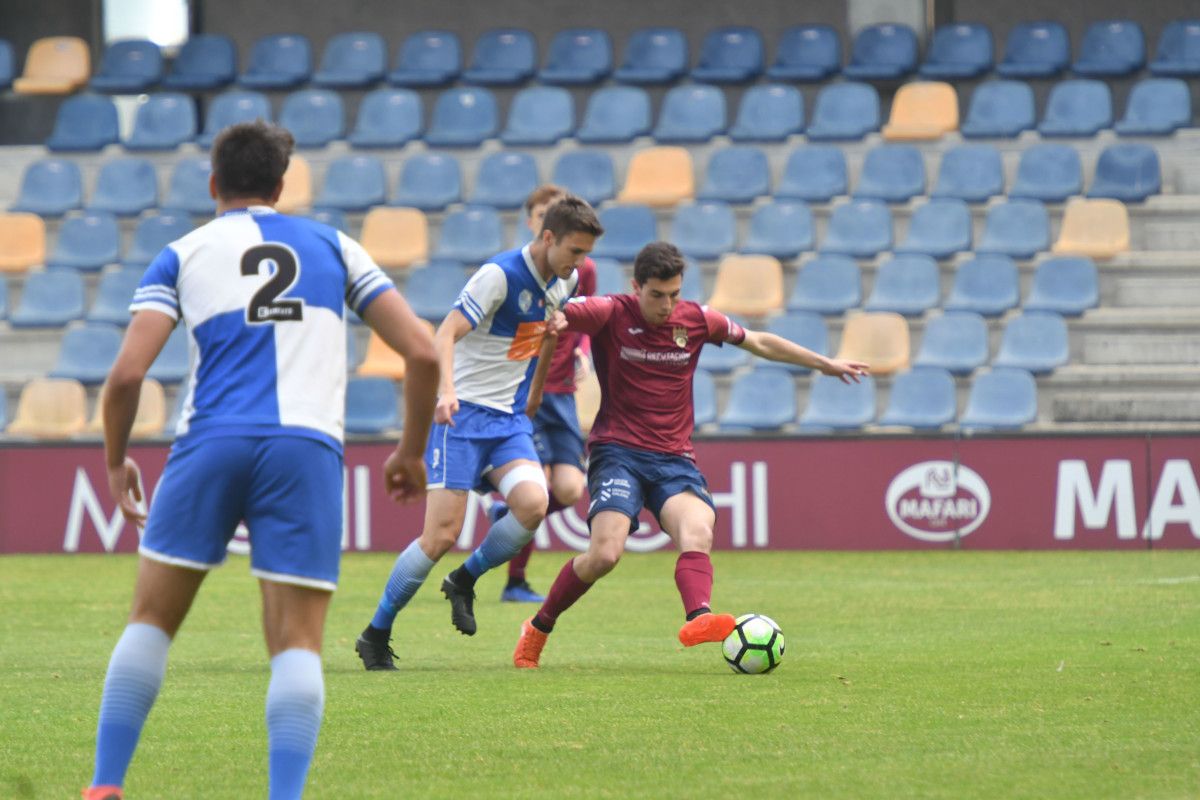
(376, 656)
(462, 606)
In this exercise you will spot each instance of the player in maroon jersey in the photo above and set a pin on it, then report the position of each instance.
(645, 347)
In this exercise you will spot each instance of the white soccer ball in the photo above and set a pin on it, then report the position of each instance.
(755, 646)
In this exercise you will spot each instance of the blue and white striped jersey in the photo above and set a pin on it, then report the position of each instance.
(262, 295)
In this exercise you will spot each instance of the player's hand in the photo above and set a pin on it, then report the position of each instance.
(404, 477)
(583, 366)
(125, 484)
(556, 323)
(447, 407)
(846, 370)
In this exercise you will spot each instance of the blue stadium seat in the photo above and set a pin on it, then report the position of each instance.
(705, 230)
(892, 172)
(1178, 52)
(49, 299)
(352, 61)
(1001, 399)
(1048, 172)
(627, 229)
(470, 235)
(722, 359)
(114, 293)
(206, 61)
(970, 172)
(999, 110)
(704, 398)
(1077, 107)
(807, 53)
(1156, 107)
(691, 113)
(859, 228)
(780, 228)
(1017, 228)
(230, 108)
(1064, 285)
(152, 234)
(922, 397)
(654, 55)
(278, 61)
(187, 190)
(427, 58)
(839, 406)
(882, 52)
(1128, 172)
(371, 405)
(334, 218)
(87, 353)
(986, 284)
(614, 115)
(844, 111)
(940, 228)
(85, 122)
(1034, 341)
(171, 366)
(3, 302)
(610, 277)
(387, 118)
(502, 57)
(50, 187)
(815, 172)
(7, 66)
(763, 399)
(578, 56)
(431, 290)
(505, 179)
(829, 284)
(429, 181)
(1111, 49)
(805, 329)
(768, 113)
(463, 117)
(353, 183)
(732, 54)
(165, 121)
(126, 187)
(86, 241)
(588, 173)
(1039, 49)
(128, 67)
(693, 285)
(960, 50)
(736, 175)
(314, 116)
(539, 115)
(908, 283)
(956, 341)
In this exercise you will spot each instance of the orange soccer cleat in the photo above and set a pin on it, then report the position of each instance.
(529, 646)
(706, 628)
(103, 793)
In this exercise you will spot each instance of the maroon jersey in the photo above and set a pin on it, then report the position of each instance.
(645, 371)
(560, 379)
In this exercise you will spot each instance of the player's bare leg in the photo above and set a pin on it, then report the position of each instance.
(566, 487)
(688, 520)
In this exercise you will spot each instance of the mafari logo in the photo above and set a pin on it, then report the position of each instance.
(935, 500)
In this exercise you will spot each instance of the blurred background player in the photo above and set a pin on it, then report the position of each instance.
(645, 346)
(486, 348)
(259, 440)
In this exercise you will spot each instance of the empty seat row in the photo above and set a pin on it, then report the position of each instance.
(56, 408)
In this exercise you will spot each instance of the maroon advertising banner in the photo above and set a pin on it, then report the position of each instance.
(1129, 492)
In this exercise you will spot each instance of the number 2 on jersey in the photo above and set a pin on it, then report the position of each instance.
(265, 305)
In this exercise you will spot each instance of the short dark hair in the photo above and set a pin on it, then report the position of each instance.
(543, 194)
(661, 260)
(249, 159)
(571, 214)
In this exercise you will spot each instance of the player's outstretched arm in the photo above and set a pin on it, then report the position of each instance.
(545, 356)
(454, 327)
(776, 348)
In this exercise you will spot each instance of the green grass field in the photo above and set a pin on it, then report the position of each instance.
(931, 675)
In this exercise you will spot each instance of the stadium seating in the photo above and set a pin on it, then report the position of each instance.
(502, 57)
(768, 113)
(588, 173)
(1016, 228)
(352, 60)
(627, 229)
(297, 186)
(704, 398)
(371, 405)
(1035, 50)
(381, 361)
(780, 228)
(1127, 172)
(659, 176)
(816, 173)
(1156, 107)
(805, 329)
(85, 122)
(171, 366)
(151, 414)
(152, 234)
(1035, 341)
(114, 293)
(956, 341)
(750, 285)
(353, 183)
(837, 405)
(333, 217)
(829, 284)
(206, 61)
(1111, 49)
(844, 111)
(278, 61)
(922, 397)
(1096, 228)
(1048, 172)
(126, 187)
(539, 115)
(463, 117)
(693, 285)
(1001, 399)
(999, 110)
(922, 110)
(733, 54)
(128, 66)
(970, 172)
(387, 118)
(610, 277)
(3, 313)
(704, 230)
(690, 114)
(578, 56)
(986, 284)
(1178, 52)
(49, 299)
(894, 173)
(86, 241)
(505, 179)
(50, 409)
(614, 115)
(50, 187)
(959, 51)
(736, 175)
(940, 228)
(314, 116)
(859, 228)
(806, 53)
(879, 339)
(427, 58)
(7, 70)
(231, 108)
(469, 236)
(1064, 285)
(22, 241)
(428, 181)
(761, 400)
(164, 122)
(431, 290)
(654, 56)
(187, 190)
(1078, 107)
(886, 51)
(55, 65)
(907, 283)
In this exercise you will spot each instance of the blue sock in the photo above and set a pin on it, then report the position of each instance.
(409, 572)
(295, 701)
(504, 540)
(135, 673)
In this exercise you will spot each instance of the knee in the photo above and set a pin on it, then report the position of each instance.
(602, 560)
(530, 513)
(698, 538)
(568, 491)
(437, 540)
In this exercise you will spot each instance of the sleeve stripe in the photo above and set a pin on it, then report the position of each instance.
(466, 297)
(150, 305)
(156, 298)
(358, 283)
(363, 288)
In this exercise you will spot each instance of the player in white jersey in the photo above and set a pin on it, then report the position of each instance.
(487, 347)
(260, 441)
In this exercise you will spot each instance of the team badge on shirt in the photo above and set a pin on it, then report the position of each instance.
(525, 300)
(679, 334)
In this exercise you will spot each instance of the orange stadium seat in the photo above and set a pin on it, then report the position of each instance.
(396, 237)
(382, 361)
(55, 65)
(922, 110)
(1095, 228)
(748, 285)
(151, 412)
(880, 339)
(297, 186)
(659, 176)
(22, 241)
(50, 408)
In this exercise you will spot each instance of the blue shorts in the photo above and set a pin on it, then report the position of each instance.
(458, 456)
(626, 480)
(287, 489)
(556, 432)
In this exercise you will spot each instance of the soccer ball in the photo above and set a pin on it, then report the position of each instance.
(755, 646)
